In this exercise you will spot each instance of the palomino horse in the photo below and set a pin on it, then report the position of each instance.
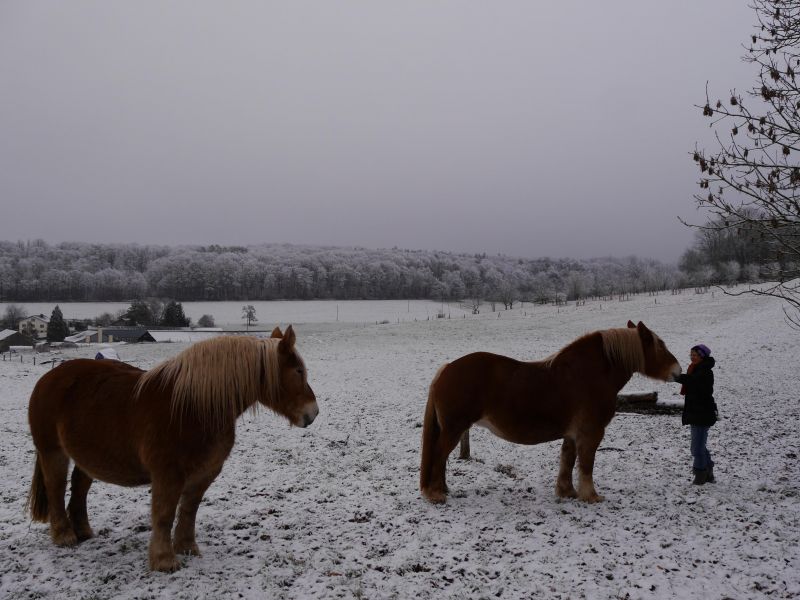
(570, 395)
(172, 427)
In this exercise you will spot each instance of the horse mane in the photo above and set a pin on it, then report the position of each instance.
(218, 379)
(621, 347)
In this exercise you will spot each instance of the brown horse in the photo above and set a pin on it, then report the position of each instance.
(570, 395)
(172, 427)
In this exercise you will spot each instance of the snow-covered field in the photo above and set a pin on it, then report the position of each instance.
(333, 511)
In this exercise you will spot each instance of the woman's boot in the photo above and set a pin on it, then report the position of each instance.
(700, 476)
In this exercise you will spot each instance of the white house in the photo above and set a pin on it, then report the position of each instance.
(35, 326)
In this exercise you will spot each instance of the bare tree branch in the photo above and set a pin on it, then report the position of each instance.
(750, 184)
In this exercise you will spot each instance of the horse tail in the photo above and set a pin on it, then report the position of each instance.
(37, 497)
(430, 435)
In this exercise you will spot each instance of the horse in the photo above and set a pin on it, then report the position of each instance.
(570, 395)
(171, 427)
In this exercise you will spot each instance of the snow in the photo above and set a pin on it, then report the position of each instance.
(333, 511)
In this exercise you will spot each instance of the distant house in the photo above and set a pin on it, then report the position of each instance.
(106, 335)
(34, 326)
(9, 337)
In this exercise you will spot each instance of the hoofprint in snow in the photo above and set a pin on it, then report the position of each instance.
(333, 511)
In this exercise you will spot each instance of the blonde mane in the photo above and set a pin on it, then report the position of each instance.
(623, 347)
(218, 379)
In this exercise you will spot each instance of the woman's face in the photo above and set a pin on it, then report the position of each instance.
(695, 357)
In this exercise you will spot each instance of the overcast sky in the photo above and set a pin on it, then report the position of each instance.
(526, 128)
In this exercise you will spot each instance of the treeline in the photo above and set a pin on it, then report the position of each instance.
(37, 271)
(727, 251)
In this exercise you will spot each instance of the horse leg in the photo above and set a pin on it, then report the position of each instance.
(190, 500)
(55, 465)
(436, 491)
(77, 504)
(564, 487)
(587, 443)
(166, 491)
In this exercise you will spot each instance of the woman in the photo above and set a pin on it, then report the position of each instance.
(699, 409)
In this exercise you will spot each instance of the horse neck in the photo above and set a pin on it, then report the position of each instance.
(251, 405)
(219, 421)
(591, 346)
(620, 377)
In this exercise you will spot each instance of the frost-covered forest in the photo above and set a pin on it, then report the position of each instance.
(38, 271)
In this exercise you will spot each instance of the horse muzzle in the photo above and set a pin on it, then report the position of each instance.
(674, 372)
(308, 416)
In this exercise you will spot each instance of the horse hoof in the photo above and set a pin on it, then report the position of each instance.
(190, 549)
(65, 538)
(84, 534)
(434, 497)
(165, 564)
(592, 498)
(566, 493)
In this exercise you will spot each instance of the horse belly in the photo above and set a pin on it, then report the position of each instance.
(112, 463)
(104, 446)
(518, 433)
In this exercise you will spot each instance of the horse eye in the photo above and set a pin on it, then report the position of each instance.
(300, 370)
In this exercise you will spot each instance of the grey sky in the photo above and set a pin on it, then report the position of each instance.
(527, 128)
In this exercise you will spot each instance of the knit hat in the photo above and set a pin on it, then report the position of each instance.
(703, 350)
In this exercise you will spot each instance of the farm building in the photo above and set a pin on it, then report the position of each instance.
(9, 337)
(105, 335)
(82, 337)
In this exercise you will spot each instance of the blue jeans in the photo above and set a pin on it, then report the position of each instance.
(701, 455)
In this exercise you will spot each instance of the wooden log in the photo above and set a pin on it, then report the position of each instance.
(645, 403)
(637, 398)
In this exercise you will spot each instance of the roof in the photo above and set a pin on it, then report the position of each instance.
(7, 333)
(171, 335)
(37, 317)
(80, 336)
(124, 334)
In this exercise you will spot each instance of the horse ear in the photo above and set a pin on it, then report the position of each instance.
(287, 341)
(276, 333)
(644, 332)
(631, 325)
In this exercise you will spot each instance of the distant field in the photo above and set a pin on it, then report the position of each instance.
(272, 313)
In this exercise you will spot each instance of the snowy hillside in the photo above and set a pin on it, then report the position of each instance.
(333, 511)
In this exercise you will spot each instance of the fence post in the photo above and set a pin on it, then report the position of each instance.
(464, 451)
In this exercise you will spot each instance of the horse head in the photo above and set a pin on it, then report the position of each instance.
(297, 401)
(659, 363)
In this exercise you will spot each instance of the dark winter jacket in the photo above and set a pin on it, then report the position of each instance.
(699, 407)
